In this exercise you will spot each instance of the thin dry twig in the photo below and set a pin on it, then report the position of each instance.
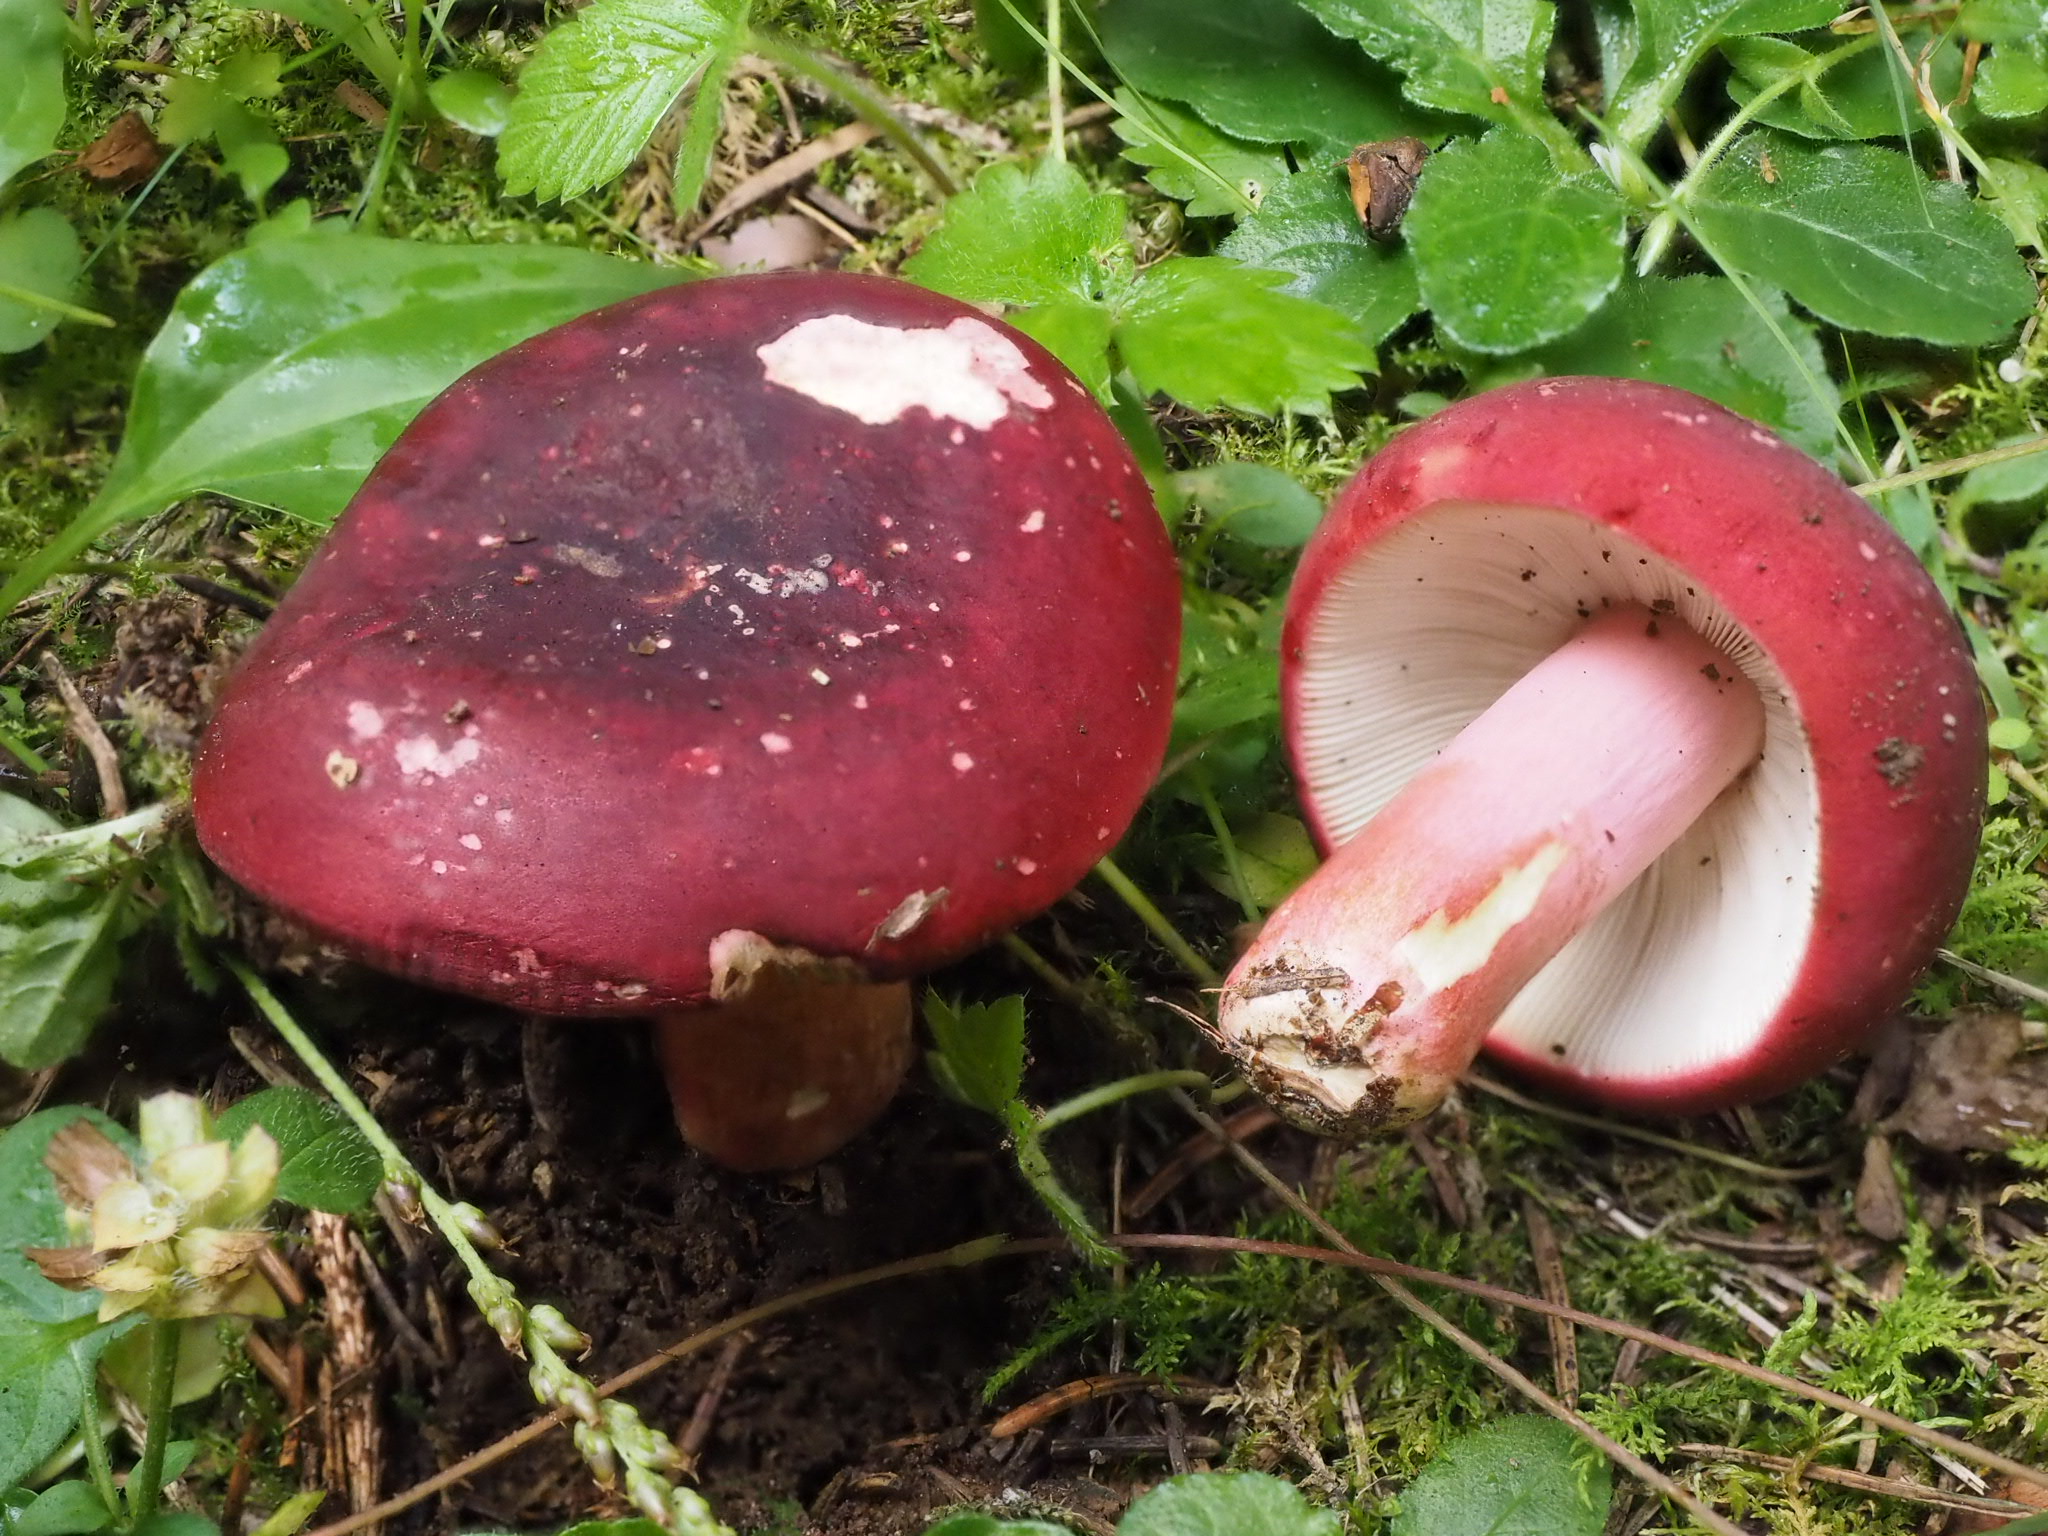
(1072, 1394)
(1606, 1444)
(106, 762)
(777, 174)
(697, 1433)
(1651, 1138)
(351, 1437)
(1550, 1274)
(1862, 1482)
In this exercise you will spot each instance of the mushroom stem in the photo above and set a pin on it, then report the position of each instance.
(1370, 989)
(795, 1057)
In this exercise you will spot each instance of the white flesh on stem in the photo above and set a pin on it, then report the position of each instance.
(1370, 989)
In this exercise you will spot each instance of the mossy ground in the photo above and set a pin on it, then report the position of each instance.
(1939, 1319)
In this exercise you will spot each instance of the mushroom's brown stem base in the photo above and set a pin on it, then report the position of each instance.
(796, 1059)
(1370, 990)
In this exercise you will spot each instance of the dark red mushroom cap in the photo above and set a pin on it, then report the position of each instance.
(813, 606)
(1796, 911)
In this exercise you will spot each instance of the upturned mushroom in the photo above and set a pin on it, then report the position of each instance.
(1644, 752)
(761, 634)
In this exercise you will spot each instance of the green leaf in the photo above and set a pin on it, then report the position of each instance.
(1307, 228)
(358, 27)
(43, 1367)
(600, 84)
(2017, 191)
(58, 931)
(1253, 503)
(176, 1522)
(972, 1524)
(1525, 1475)
(1212, 333)
(631, 1526)
(32, 1215)
(980, 1049)
(1024, 235)
(32, 107)
(1456, 54)
(39, 254)
(1859, 236)
(285, 370)
(323, 1160)
(1228, 1504)
(2012, 83)
(64, 1509)
(1274, 855)
(1699, 333)
(1306, 87)
(474, 100)
(1674, 35)
(1847, 92)
(1151, 131)
(1077, 332)
(1509, 252)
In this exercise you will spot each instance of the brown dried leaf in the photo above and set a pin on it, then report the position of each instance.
(1972, 1089)
(362, 103)
(1880, 1204)
(126, 154)
(68, 1267)
(84, 1162)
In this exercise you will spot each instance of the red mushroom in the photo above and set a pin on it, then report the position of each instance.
(809, 620)
(1648, 755)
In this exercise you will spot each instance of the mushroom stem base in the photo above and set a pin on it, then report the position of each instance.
(1370, 990)
(796, 1058)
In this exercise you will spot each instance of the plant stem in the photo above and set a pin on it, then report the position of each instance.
(146, 1482)
(95, 1442)
(1045, 970)
(1157, 922)
(1028, 1146)
(867, 102)
(1055, 69)
(1106, 1094)
(1956, 466)
(1226, 843)
(34, 300)
(1747, 113)
(396, 1164)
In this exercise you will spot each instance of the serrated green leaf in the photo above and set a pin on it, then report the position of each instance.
(1699, 333)
(1211, 333)
(599, 85)
(32, 109)
(1509, 252)
(1024, 235)
(1253, 503)
(1077, 332)
(43, 1367)
(323, 1160)
(285, 370)
(982, 1048)
(1484, 57)
(1525, 1475)
(474, 100)
(1307, 228)
(1242, 171)
(1308, 87)
(39, 254)
(1227, 1504)
(1859, 236)
(1674, 35)
(32, 1215)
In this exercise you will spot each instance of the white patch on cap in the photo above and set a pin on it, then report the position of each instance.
(775, 743)
(422, 754)
(365, 720)
(1443, 951)
(967, 372)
